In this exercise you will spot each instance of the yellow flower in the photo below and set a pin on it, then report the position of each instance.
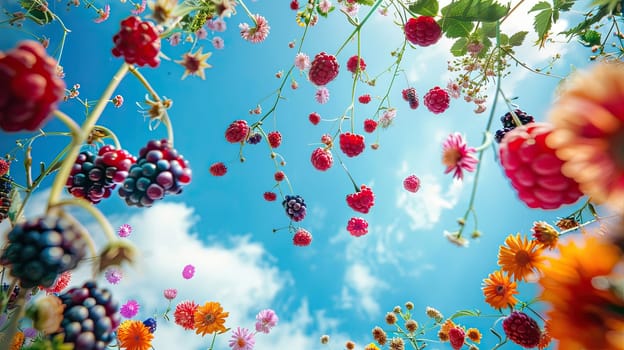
(371, 346)
(210, 318)
(519, 257)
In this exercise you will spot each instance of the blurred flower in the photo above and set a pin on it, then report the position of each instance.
(411, 325)
(257, 33)
(443, 334)
(380, 336)
(162, 10)
(30, 332)
(434, 313)
(396, 344)
(265, 320)
(184, 314)
(324, 339)
(113, 275)
(387, 118)
(457, 156)
(194, 64)
(480, 108)
(302, 61)
(175, 39)
(519, 257)
(134, 335)
(201, 33)
(218, 43)
(324, 6)
(322, 95)
(61, 282)
(124, 230)
(453, 89)
(545, 234)
(188, 272)
(47, 313)
(210, 318)
(116, 253)
(103, 13)
(129, 309)
(474, 335)
(138, 9)
(170, 293)
(499, 290)
(216, 25)
(455, 238)
(18, 341)
(371, 346)
(242, 339)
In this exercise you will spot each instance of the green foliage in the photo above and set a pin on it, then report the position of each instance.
(425, 7)
(590, 19)
(35, 13)
(458, 17)
(46, 344)
(464, 313)
(544, 20)
(590, 38)
(366, 2)
(460, 47)
(518, 38)
(454, 28)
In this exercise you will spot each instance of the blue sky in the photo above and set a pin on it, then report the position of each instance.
(340, 285)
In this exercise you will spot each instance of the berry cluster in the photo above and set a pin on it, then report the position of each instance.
(6, 185)
(509, 123)
(411, 97)
(362, 200)
(351, 144)
(323, 69)
(322, 159)
(437, 100)
(138, 42)
(422, 31)
(295, 207)
(254, 138)
(522, 329)
(151, 324)
(40, 249)
(94, 177)
(357, 227)
(158, 171)
(90, 317)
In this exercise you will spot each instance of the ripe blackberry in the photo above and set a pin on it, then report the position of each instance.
(6, 185)
(509, 123)
(40, 249)
(351, 144)
(437, 100)
(237, 131)
(255, 138)
(362, 200)
(522, 329)
(322, 159)
(151, 324)
(295, 207)
(138, 42)
(422, 31)
(352, 64)
(275, 139)
(160, 170)
(90, 317)
(411, 97)
(94, 177)
(323, 69)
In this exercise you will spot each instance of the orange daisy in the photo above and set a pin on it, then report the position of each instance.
(443, 334)
(474, 335)
(134, 335)
(519, 257)
(545, 234)
(210, 318)
(499, 290)
(583, 311)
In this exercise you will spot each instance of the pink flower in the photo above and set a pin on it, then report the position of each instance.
(175, 39)
(324, 6)
(124, 230)
(242, 339)
(139, 8)
(302, 61)
(480, 109)
(257, 33)
(265, 320)
(387, 118)
(217, 25)
(322, 95)
(170, 293)
(103, 13)
(457, 156)
(217, 42)
(113, 275)
(129, 309)
(453, 89)
(201, 34)
(188, 272)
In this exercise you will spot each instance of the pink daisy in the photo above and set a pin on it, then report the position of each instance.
(103, 13)
(124, 230)
(201, 34)
(188, 272)
(255, 34)
(265, 320)
(453, 89)
(217, 42)
(322, 95)
(302, 61)
(175, 39)
(457, 156)
(129, 309)
(242, 339)
(113, 275)
(170, 293)
(324, 6)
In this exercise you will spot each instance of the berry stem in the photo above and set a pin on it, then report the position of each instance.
(357, 189)
(249, 14)
(359, 26)
(487, 137)
(514, 116)
(91, 209)
(69, 122)
(109, 133)
(386, 97)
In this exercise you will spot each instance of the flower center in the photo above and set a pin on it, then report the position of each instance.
(522, 258)
(241, 342)
(500, 290)
(209, 319)
(451, 157)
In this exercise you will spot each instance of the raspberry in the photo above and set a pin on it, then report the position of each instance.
(294, 5)
(422, 31)
(315, 118)
(6, 186)
(357, 227)
(534, 169)
(4, 167)
(457, 337)
(351, 144)
(160, 170)
(302, 238)
(437, 100)
(40, 249)
(269, 196)
(254, 139)
(327, 139)
(509, 124)
(275, 139)
(522, 329)
(364, 99)
(279, 176)
(30, 90)
(295, 207)
(218, 169)
(237, 131)
(411, 97)
(411, 183)
(94, 177)
(370, 125)
(322, 159)
(362, 200)
(138, 42)
(324, 68)
(352, 64)
(90, 317)
(151, 324)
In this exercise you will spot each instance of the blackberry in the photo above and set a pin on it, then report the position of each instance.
(6, 185)
(254, 139)
(160, 170)
(90, 317)
(509, 123)
(40, 249)
(295, 207)
(93, 177)
(151, 324)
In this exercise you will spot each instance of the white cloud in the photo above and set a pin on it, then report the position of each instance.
(362, 286)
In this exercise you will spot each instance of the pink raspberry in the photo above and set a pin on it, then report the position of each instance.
(138, 42)
(302, 238)
(237, 131)
(364, 99)
(269, 196)
(351, 144)
(275, 139)
(324, 68)
(30, 89)
(322, 159)
(352, 64)
(412, 183)
(457, 337)
(357, 227)
(218, 169)
(314, 117)
(279, 176)
(437, 100)
(4, 167)
(370, 125)
(362, 200)
(522, 329)
(423, 31)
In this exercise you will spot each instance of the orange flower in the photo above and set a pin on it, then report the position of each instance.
(582, 311)
(545, 234)
(499, 290)
(474, 335)
(519, 257)
(18, 341)
(134, 335)
(443, 334)
(210, 318)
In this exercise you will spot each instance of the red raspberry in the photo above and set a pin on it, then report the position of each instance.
(351, 144)
(522, 329)
(302, 238)
(370, 125)
(352, 64)
(327, 139)
(279, 176)
(218, 169)
(357, 227)
(457, 337)
(269, 196)
(322, 159)
(534, 169)
(30, 87)
(411, 183)
(437, 100)
(294, 5)
(423, 31)
(237, 131)
(138, 42)
(362, 200)
(410, 96)
(364, 99)
(275, 139)
(4, 167)
(324, 68)
(314, 117)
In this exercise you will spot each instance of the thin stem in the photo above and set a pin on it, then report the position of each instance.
(242, 3)
(69, 122)
(357, 189)
(95, 212)
(359, 26)
(508, 53)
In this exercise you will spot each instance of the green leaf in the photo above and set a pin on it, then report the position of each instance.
(366, 2)
(591, 38)
(464, 313)
(518, 38)
(543, 20)
(459, 48)
(425, 7)
(36, 15)
(566, 5)
(504, 40)
(453, 28)
(489, 30)
(475, 11)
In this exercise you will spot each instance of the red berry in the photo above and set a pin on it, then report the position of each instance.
(362, 200)
(302, 238)
(522, 329)
(269, 196)
(294, 5)
(326, 139)
(279, 176)
(237, 131)
(457, 337)
(4, 167)
(322, 159)
(324, 68)
(218, 169)
(138, 42)
(412, 183)
(314, 117)
(534, 169)
(351, 144)
(437, 100)
(364, 99)
(275, 139)
(410, 96)
(357, 227)
(352, 64)
(370, 125)
(30, 87)
(423, 31)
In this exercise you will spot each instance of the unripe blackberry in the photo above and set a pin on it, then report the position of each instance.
(90, 317)
(509, 123)
(160, 170)
(40, 249)
(295, 207)
(151, 324)
(6, 185)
